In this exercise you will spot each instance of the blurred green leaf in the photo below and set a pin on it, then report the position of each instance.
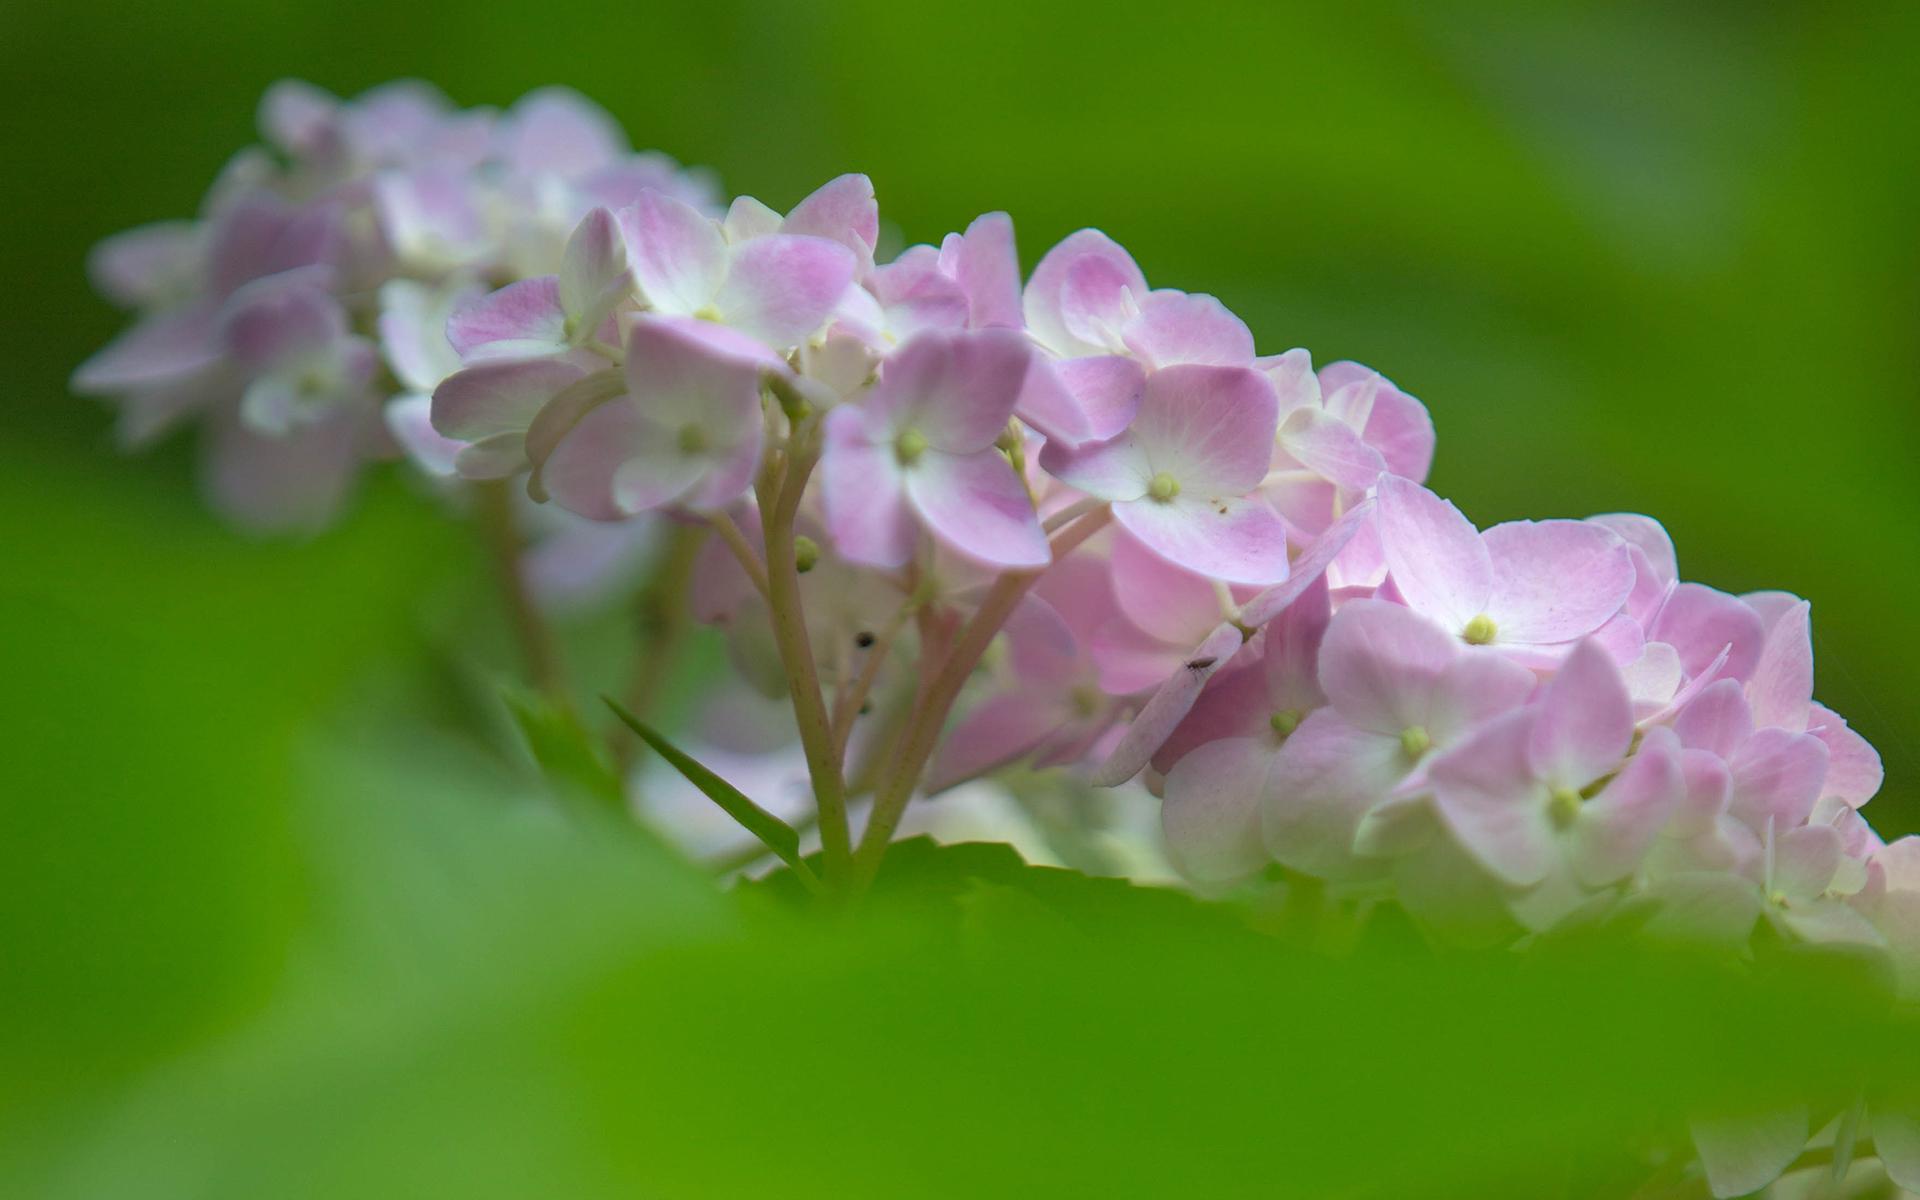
(565, 749)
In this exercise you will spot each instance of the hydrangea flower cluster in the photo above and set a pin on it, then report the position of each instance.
(963, 520)
(316, 282)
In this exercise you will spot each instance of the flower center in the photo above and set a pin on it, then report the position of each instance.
(1479, 631)
(708, 312)
(1414, 741)
(1563, 805)
(693, 439)
(909, 446)
(1163, 487)
(1285, 721)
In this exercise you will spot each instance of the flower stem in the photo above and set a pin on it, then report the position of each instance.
(930, 715)
(494, 510)
(737, 542)
(778, 507)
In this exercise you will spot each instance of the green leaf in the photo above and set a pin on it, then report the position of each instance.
(563, 747)
(778, 836)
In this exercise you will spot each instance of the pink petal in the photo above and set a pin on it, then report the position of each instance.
(976, 505)
(1437, 560)
(1700, 623)
(1555, 581)
(1485, 792)
(148, 265)
(160, 349)
(1176, 327)
(1211, 812)
(1325, 779)
(987, 267)
(916, 295)
(1584, 722)
(1235, 704)
(956, 389)
(498, 457)
(1777, 775)
(1167, 707)
(679, 258)
(1129, 660)
(520, 319)
(1107, 284)
(1805, 860)
(1718, 719)
(1168, 602)
(409, 420)
(1234, 540)
(1330, 448)
(1380, 664)
(1116, 468)
(863, 495)
(1854, 773)
(271, 320)
(1080, 400)
(1400, 429)
(782, 288)
(594, 277)
(999, 730)
(842, 210)
(1618, 827)
(498, 396)
(1313, 563)
(261, 235)
(579, 474)
(1649, 537)
(1781, 688)
(1211, 428)
(557, 130)
(1708, 784)
(282, 484)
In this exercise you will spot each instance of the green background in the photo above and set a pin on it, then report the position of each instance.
(1661, 258)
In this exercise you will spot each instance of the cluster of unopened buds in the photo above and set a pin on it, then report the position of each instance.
(965, 522)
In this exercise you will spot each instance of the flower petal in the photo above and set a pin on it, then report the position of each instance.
(594, 276)
(1701, 622)
(1485, 793)
(841, 210)
(518, 320)
(1234, 540)
(782, 288)
(1168, 705)
(1584, 722)
(976, 505)
(1616, 828)
(957, 390)
(1555, 581)
(678, 257)
(863, 495)
(1436, 559)
(1107, 286)
(1210, 815)
(1782, 685)
(1210, 428)
(1330, 448)
(499, 396)
(987, 266)
(1380, 664)
(1178, 327)
(1327, 776)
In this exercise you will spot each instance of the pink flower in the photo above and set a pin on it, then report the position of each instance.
(1399, 689)
(553, 314)
(1183, 477)
(1530, 588)
(1547, 799)
(842, 210)
(1338, 433)
(688, 432)
(778, 287)
(1050, 706)
(918, 452)
(971, 281)
(1178, 692)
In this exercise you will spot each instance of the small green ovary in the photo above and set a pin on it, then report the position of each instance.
(1563, 807)
(909, 446)
(1285, 721)
(1415, 741)
(1163, 487)
(1480, 631)
(692, 439)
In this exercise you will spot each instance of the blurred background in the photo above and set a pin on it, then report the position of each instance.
(1647, 257)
